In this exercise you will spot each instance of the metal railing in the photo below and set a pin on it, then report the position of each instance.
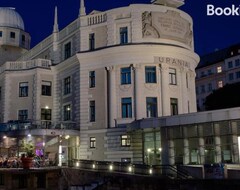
(41, 124)
(169, 171)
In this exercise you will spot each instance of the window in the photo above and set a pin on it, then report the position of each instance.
(92, 111)
(174, 106)
(126, 75)
(0, 92)
(123, 35)
(151, 107)
(22, 115)
(91, 41)
(91, 79)
(238, 74)
(219, 69)
(126, 107)
(67, 50)
(23, 89)
(209, 87)
(230, 64)
(172, 76)
(220, 84)
(46, 88)
(92, 142)
(202, 89)
(150, 75)
(67, 85)
(1, 34)
(23, 39)
(12, 35)
(230, 76)
(67, 112)
(202, 74)
(209, 72)
(237, 62)
(46, 114)
(187, 80)
(125, 140)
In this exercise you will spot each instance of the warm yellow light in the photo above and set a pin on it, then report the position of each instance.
(130, 168)
(77, 164)
(46, 107)
(93, 166)
(111, 167)
(149, 150)
(160, 149)
(67, 137)
(4, 137)
(150, 171)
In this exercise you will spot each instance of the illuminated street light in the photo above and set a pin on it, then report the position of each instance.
(150, 171)
(111, 167)
(4, 137)
(93, 166)
(130, 168)
(149, 150)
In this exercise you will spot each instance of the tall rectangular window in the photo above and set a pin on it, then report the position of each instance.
(150, 74)
(237, 62)
(46, 88)
(67, 112)
(91, 79)
(151, 107)
(91, 41)
(22, 115)
(92, 111)
(67, 85)
(209, 87)
(220, 84)
(126, 75)
(219, 69)
(46, 114)
(238, 74)
(12, 35)
(230, 76)
(230, 64)
(174, 106)
(67, 50)
(126, 107)
(92, 142)
(123, 35)
(0, 34)
(23, 89)
(125, 140)
(172, 76)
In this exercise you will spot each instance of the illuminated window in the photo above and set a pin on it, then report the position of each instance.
(219, 69)
(92, 142)
(125, 140)
(220, 84)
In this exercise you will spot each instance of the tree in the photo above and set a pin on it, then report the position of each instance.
(226, 97)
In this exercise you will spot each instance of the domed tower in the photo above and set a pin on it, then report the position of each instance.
(14, 41)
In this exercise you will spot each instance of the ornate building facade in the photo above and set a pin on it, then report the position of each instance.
(100, 73)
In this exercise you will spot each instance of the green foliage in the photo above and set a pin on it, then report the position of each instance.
(28, 148)
(226, 97)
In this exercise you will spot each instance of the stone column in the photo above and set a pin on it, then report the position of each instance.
(137, 92)
(171, 152)
(235, 145)
(201, 150)
(165, 100)
(186, 151)
(112, 95)
(217, 140)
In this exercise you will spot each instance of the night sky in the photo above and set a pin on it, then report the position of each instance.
(210, 32)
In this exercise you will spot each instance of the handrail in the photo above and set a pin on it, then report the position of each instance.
(130, 168)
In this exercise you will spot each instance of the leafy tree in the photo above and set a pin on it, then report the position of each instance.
(226, 97)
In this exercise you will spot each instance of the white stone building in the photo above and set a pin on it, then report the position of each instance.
(101, 72)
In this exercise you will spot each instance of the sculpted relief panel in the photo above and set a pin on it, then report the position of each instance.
(168, 25)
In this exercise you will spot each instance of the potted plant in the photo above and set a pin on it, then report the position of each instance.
(27, 158)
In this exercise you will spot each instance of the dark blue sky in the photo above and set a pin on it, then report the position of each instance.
(210, 33)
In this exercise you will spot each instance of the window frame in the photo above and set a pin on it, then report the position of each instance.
(125, 141)
(174, 106)
(126, 107)
(92, 111)
(123, 35)
(92, 142)
(67, 112)
(67, 85)
(23, 90)
(152, 103)
(12, 35)
(92, 79)
(172, 76)
(46, 114)
(92, 41)
(23, 116)
(67, 50)
(150, 74)
(126, 75)
(46, 89)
